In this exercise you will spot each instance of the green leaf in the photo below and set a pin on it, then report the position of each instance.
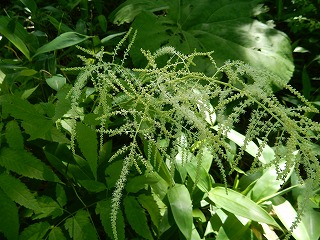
(34, 122)
(104, 210)
(16, 37)
(18, 192)
(88, 144)
(136, 217)
(240, 205)
(48, 207)
(102, 22)
(30, 4)
(109, 37)
(27, 93)
(80, 227)
(223, 26)
(56, 234)
(61, 195)
(56, 82)
(24, 163)
(127, 11)
(93, 186)
(287, 215)
(138, 183)
(64, 40)
(148, 202)
(14, 136)
(9, 220)
(35, 231)
(181, 207)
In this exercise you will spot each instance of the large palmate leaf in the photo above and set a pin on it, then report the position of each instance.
(223, 26)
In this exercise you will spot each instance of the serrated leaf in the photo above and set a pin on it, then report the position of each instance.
(136, 217)
(148, 202)
(24, 163)
(18, 192)
(88, 144)
(56, 82)
(104, 210)
(35, 231)
(240, 205)
(64, 40)
(80, 227)
(48, 207)
(13, 135)
(181, 207)
(56, 234)
(223, 26)
(34, 122)
(93, 186)
(9, 220)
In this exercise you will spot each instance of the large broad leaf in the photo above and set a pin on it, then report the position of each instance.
(64, 40)
(224, 26)
(181, 207)
(240, 205)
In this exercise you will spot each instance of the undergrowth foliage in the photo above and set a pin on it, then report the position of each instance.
(164, 108)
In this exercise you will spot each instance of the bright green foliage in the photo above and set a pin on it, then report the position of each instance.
(169, 142)
(178, 112)
(240, 205)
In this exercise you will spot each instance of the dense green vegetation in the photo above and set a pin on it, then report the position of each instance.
(159, 119)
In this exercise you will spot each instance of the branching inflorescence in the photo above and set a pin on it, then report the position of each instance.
(163, 103)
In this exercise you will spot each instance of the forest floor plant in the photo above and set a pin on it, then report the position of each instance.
(164, 116)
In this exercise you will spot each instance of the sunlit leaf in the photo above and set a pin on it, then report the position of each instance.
(287, 215)
(240, 205)
(56, 82)
(181, 207)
